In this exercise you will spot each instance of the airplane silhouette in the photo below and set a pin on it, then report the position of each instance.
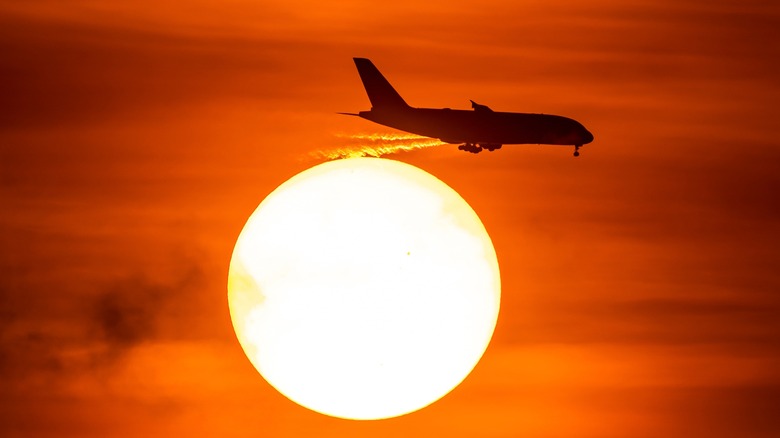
(475, 130)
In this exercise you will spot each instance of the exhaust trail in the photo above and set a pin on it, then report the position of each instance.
(375, 145)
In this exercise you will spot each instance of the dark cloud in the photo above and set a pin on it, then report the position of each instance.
(95, 328)
(127, 312)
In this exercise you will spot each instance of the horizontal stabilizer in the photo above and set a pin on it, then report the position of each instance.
(349, 114)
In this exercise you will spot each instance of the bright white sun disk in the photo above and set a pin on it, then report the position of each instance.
(364, 288)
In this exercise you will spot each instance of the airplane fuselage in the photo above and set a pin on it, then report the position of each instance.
(482, 127)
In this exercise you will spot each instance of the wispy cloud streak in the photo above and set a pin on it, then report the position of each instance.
(375, 145)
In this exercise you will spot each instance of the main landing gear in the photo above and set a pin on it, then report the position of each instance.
(577, 150)
(471, 147)
(477, 148)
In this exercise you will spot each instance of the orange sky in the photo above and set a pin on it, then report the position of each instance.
(640, 281)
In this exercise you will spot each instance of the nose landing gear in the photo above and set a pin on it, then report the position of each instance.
(577, 150)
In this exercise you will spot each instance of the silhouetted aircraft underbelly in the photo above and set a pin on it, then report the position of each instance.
(459, 126)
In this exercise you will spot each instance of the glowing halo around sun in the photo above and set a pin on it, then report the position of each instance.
(364, 288)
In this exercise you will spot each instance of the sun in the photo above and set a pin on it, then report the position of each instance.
(364, 288)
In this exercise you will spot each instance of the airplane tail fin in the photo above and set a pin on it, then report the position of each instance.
(380, 92)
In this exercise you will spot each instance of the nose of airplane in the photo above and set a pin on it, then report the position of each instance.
(587, 137)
